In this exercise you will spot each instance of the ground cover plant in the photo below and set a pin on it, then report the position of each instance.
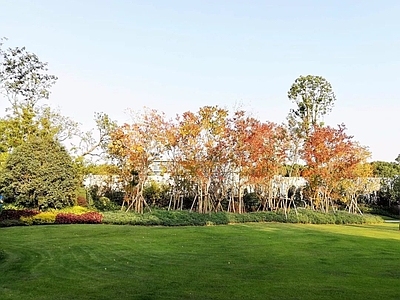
(240, 261)
(81, 215)
(69, 215)
(186, 218)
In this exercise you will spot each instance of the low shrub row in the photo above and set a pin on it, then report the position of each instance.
(390, 212)
(179, 218)
(29, 217)
(338, 217)
(185, 218)
(165, 218)
(16, 214)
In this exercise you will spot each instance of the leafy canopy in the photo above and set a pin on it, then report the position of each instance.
(314, 98)
(39, 174)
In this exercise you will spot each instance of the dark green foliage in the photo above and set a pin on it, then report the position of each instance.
(391, 212)
(2, 255)
(39, 174)
(385, 169)
(101, 201)
(156, 194)
(116, 197)
(104, 204)
(185, 218)
(251, 201)
(179, 218)
(389, 193)
(10, 223)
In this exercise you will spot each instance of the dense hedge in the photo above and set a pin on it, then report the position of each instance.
(165, 218)
(178, 218)
(185, 218)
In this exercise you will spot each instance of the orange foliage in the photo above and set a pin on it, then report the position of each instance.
(136, 146)
(331, 157)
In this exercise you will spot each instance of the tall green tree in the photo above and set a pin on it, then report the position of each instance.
(385, 169)
(389, 173)
(31, 159)
(314, 98)
(39, 174)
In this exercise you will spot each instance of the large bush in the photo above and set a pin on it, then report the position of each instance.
(100, 198)
(39, 174)
(156, 194)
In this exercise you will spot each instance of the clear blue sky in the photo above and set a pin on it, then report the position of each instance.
(176, 56)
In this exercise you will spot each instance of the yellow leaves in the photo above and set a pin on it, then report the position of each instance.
(139, 148)
(137, 145)
(363, 170)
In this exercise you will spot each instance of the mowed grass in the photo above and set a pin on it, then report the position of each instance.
(243, 261)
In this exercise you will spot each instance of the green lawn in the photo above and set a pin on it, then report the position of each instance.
(246, 261)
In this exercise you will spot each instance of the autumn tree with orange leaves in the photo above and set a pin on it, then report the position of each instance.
(268, 155)
(136, 146)
(240, 131)
(202, 154)
(331, 158)
(213, 157)
(258, 152)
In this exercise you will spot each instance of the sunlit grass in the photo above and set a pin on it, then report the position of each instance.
(246, 261)
(379, 231)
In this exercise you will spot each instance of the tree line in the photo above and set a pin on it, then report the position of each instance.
(214, 157)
